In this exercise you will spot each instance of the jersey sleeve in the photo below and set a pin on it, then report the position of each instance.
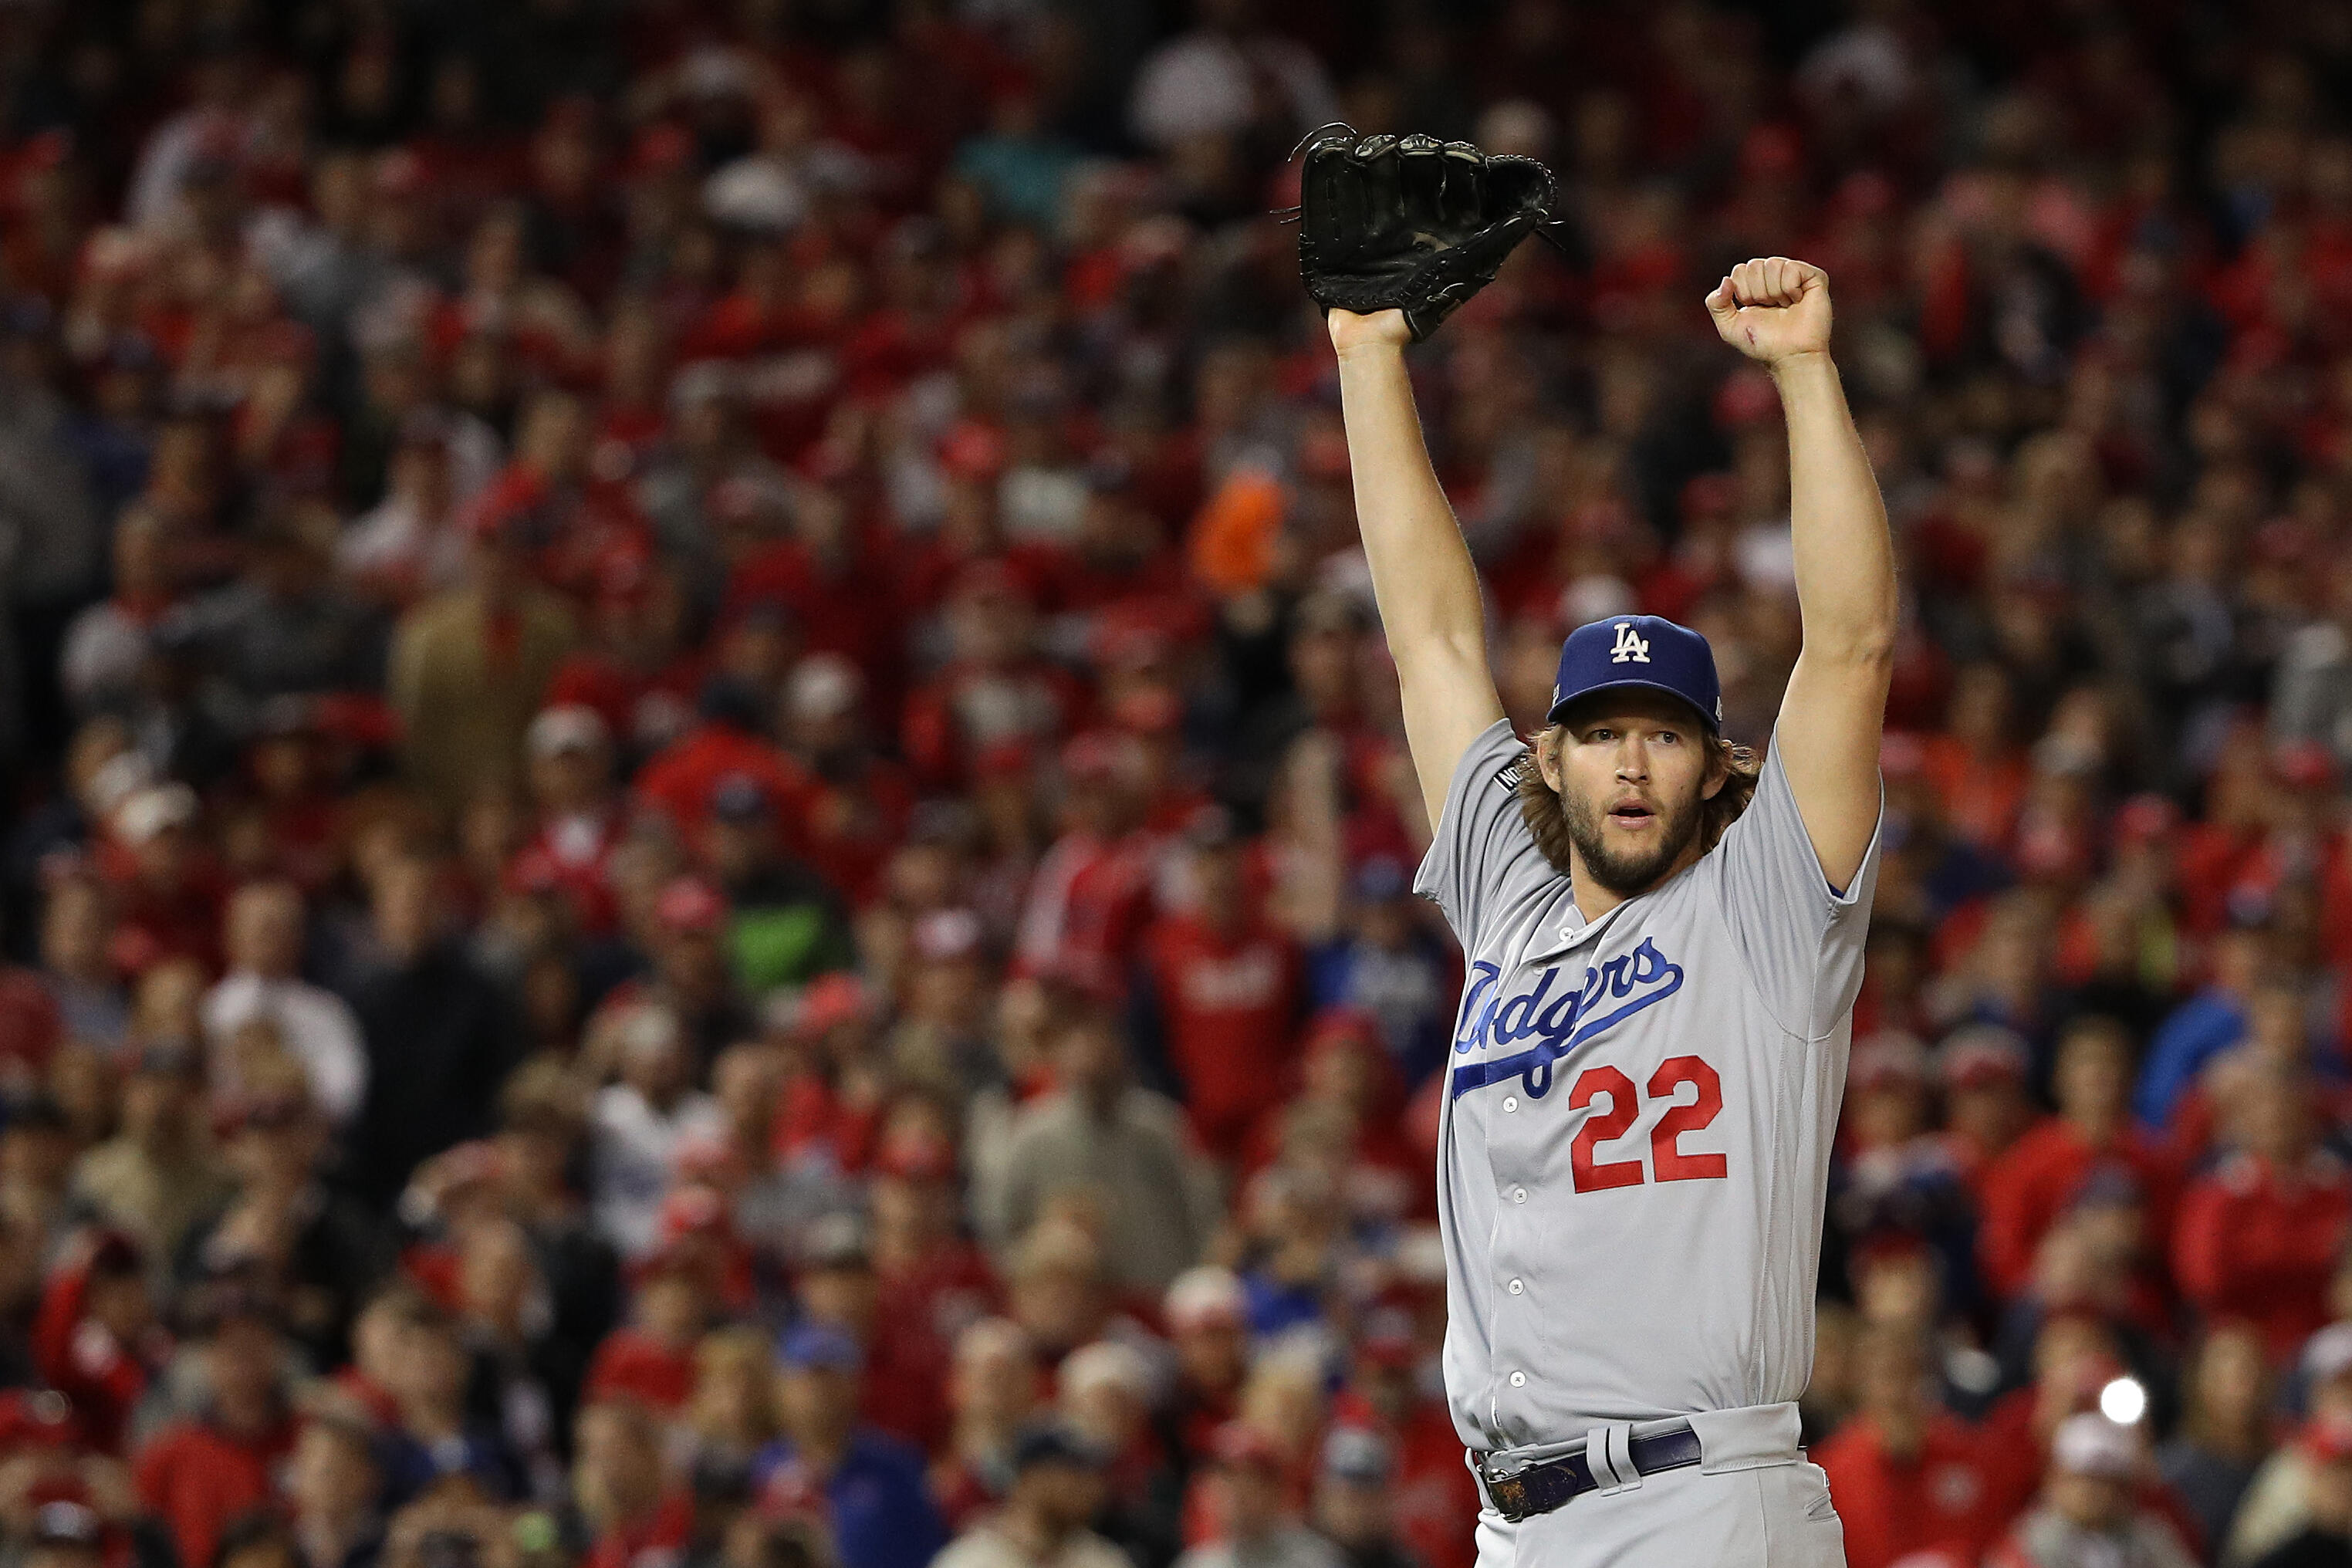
(1481, 859)
(1802, 938)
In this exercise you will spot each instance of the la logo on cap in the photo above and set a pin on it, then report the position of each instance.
(1631, 646)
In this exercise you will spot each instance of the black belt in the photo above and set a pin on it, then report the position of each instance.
(1541, 1488)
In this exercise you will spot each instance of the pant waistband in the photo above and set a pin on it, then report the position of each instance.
(1747, 1437)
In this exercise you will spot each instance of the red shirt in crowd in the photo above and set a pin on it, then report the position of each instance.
(1228, 1003)
(573, 855)
(815, 1121)
(153, 923)
(2257, 1246)
(904, 1390)
(656, 1541)
(196, 1477)
(919, 1309)
(633, 1362)
(679, 781)
(1938, 1500)
(1087, 908)
(29, 1026)
(102, 1377)
(2029, 1185)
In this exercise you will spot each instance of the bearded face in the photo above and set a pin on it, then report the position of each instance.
(1625, 845)
(1625, 784)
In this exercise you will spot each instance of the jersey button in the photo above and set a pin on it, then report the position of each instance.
(1519, 1380)
(1518, 1195)
(1510, 1102)
(1518, 1288)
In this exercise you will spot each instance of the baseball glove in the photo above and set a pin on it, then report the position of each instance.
(1410, 222)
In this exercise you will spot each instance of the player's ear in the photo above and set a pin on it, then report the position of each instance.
(1719, 768)
(1547, 749)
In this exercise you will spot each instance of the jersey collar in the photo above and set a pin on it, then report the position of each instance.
(1551, 938)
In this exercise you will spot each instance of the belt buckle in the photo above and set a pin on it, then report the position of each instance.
(1508, 1492)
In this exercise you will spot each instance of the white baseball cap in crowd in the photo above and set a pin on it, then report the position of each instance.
(823, 686)
(144, 813)
(2327, 1354)
(1105, 1363)
(566, 727)
(1204, 1295)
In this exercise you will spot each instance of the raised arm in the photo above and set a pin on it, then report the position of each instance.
(1422, 575)
(1777, 312)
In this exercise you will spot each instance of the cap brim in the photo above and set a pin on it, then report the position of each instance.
(1552, 715)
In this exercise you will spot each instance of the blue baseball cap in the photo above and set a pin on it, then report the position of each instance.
(1638, 650)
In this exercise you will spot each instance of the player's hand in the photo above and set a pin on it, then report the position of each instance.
(1773, 309)
(1381, 328)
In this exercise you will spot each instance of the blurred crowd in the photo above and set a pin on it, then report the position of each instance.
(707, 858)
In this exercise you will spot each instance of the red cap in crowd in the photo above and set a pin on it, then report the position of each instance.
(915, 1154)
(2326, 1438)
(689, 904)
(1891, 1060)
(830, 1000)
(1980, 1056)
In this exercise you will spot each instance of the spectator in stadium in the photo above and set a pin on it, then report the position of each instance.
(623, 1503)
(992, 1393)
(2224, 1428)
(2201, 1028)
(639, 1122)
(2089, 1513)
(1907, 1476)
(1120, 1145)
(1354, 1508)
(1257, 1522)
(158, 1178)
(334, 1488)
(76, 970)
(469, 668)
(264, 948)
(882, 1516)
(306, 1246)
(200, 1473)
(2259, 1234)
(2326, 1540)
(577, 815)
(1226, 990)
(432, 1433)
(1982, 1072)
(440, 1037)
(1106, 1398)
(1054, 1494)
(2030, 1184)
(784, 925)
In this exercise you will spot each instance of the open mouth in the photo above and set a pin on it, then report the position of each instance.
(1631, 813)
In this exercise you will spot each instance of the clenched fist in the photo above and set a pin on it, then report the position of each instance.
(1773, 309)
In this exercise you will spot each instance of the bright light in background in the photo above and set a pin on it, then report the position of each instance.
(2124, 1401)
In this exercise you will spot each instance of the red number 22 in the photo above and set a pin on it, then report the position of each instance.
(1666, 1157)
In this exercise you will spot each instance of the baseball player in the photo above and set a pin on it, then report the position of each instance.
(1664, 936)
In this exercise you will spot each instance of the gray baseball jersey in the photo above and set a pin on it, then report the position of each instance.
(1639, 1111)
